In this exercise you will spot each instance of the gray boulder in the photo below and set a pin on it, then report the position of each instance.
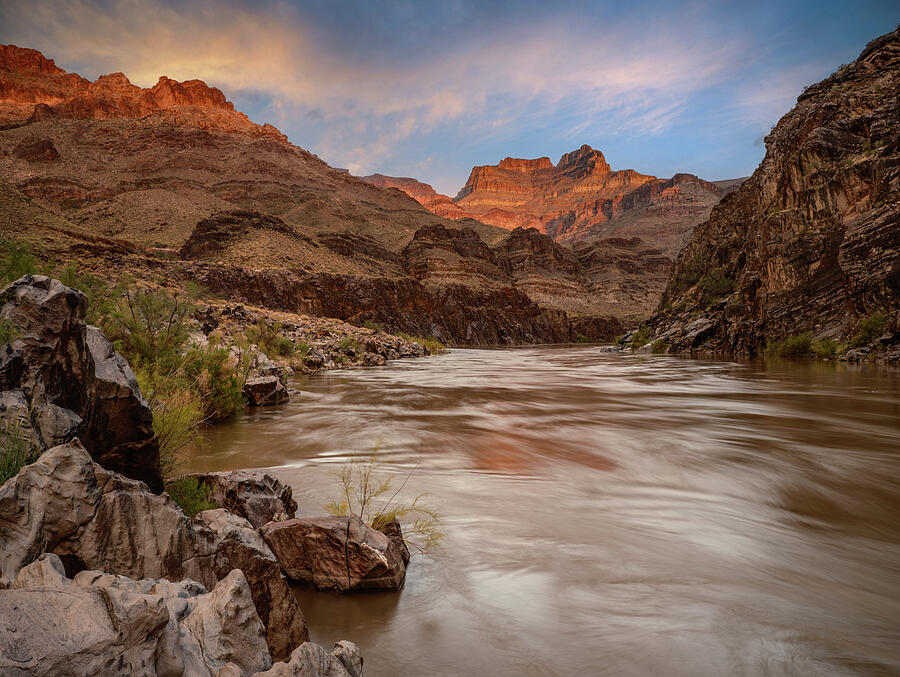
(258, 497)
(62, 379)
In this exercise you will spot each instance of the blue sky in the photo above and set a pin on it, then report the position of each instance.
(413, 88)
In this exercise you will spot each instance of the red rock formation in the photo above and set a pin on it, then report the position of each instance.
(33, 88)
(579, 198)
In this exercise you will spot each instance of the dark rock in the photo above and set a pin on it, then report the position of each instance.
(34, 149)
(257, 497)
(811, 241)
(63, 380)
(265, 390)
(336, 553)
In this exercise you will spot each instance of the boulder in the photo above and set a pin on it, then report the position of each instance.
(100, 624)
(312, 660)
(258, 497)
(95, 519)
(240, 546)
(265, 390)
(336, 553)
(394, 531)
(62, 379)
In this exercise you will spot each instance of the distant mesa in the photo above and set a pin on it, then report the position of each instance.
(579, 198)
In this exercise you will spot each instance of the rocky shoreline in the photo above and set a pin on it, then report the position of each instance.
(101, 572)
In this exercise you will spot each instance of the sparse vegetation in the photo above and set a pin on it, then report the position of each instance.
(691, 272)
(869, 329)
(16, 451)
(431, 344)
(191, 495)
(792, 346)
(828, 349)
(374, 326)
(16, 260)
(350, 346)
(658, 347)
(8, 331)
(271, 340)
(368, 494)
(714, 286)
(640, 338)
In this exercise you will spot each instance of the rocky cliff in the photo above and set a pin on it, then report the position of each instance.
(123, 180)
(579, 198)
(811, 241)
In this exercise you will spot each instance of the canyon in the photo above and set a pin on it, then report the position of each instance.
(172, 183)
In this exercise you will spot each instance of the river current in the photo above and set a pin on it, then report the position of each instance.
(609, 514)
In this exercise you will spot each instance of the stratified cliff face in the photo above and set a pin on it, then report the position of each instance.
(579, 198)
(811, 242)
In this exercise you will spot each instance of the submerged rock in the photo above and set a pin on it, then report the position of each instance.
(62, 379)
(265, 390)
(336, 553)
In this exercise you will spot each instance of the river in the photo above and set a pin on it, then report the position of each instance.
(610, 514)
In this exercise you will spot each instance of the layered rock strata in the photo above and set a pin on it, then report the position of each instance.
(811, 241)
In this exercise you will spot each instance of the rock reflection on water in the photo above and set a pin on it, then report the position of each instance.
(612, 514)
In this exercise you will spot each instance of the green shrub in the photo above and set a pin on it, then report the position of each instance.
(714, 286)
(431, 344)
(191, 495)
(150, 326)
(640, 337)
(218, 379)
(350, 346)
(827, 349)
(8, 331)
(270, 339)
(16, 260)
(659, 347)
(869, 329)
(102, 297)
(690, 272)
(374, 326)
(16, 451)
(792, 346)
(366, 494)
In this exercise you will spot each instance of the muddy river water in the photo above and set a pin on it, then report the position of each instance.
(610, 514)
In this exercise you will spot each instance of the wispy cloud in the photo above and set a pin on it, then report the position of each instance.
(367, 87)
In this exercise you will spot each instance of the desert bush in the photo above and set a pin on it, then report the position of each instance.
(102, 297)
(16, 450)
(8, 331)
(691, 272)
(16, 260)
(869, 329)
(350, 346)
(270, 339)
(366, 493)
(191, 495)
(150, 326)
(658, 347)
(370, 324)
(640, 337)
(792, 346)
(218, 379)
(431, 344)
(714, 286)
(827, 349)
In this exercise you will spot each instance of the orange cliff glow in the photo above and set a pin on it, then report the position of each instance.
(34, 88)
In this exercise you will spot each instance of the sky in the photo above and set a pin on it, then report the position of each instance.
(431, 89)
